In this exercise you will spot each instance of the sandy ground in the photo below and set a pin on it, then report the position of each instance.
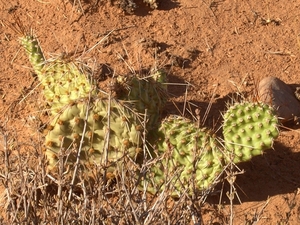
(218, 47)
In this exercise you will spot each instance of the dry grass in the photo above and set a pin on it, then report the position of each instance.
(32, 196)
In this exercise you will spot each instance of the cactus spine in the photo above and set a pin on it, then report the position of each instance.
(65, 82)
(106, 130)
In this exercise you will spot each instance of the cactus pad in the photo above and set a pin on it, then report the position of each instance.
(94, 123)
(185, 154)
(149, 94)
(63, 81)
(249, 129)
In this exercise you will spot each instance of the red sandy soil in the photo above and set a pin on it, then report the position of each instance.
(219, 47)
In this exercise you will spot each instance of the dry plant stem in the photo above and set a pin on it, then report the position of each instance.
(7, 180)
(231, 194)
(22, 197)
(145, 152)
(156, 206)
(79, 3)
(92, 218)
(59, 189)
(79, 150)
(99, 42)
(258, 216)
(194, 212)
(85, 201)
(209, 106)
(42, 175)
(23, 186)
(107, 137)
(232, 191)
(185, 99)
(178, 206)
(128, 197)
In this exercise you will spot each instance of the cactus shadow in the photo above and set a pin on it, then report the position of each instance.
(182, 62)
(210, 113)
(168, 5)
(274, 173)
(144, 10)
(140, 8)
(176, 86)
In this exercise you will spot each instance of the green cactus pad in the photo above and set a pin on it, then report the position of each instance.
(249, 129)
(99, 118)
(63, 81)
(149, 93)
(186, 154)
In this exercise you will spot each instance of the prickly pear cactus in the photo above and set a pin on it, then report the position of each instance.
(186, 154)
(96, 123)
(62, 81)
(149, 93)
(249, 129)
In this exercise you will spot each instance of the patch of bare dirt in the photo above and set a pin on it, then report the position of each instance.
(218, 47)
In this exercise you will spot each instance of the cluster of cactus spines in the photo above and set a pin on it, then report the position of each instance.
(148, 95)
(188, 155)
(249, 129)
(91, 121)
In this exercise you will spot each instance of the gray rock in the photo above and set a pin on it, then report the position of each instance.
(278, 94)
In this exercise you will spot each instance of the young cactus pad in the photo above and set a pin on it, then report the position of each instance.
(97, 123)
(186, 154)
(62, 81)
(34, 52)
(249, 129)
